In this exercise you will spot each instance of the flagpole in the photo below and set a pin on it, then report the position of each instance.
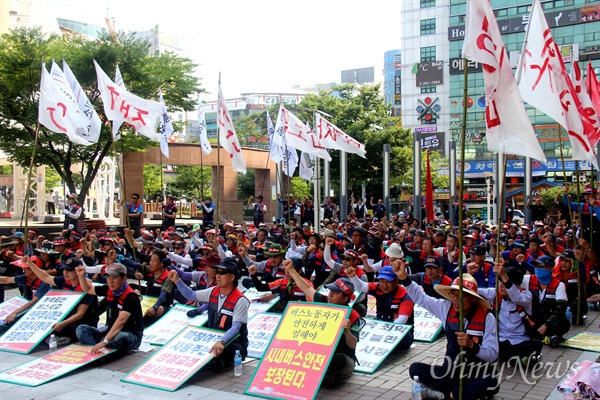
(29, 173)
(460, 223)
(218, 161)
(121, 172)
(591, 222)
(562, 161)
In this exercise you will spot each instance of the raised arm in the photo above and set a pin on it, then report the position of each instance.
(308, 290)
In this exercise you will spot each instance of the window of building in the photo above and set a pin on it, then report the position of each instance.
(427, 89)
(428, 54)
(428, 26)
(462, 18)
(427, 3)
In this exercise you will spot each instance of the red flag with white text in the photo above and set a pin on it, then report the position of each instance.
(593, 88)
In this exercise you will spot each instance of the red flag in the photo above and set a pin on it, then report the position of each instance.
(429, 191)
(593, 89)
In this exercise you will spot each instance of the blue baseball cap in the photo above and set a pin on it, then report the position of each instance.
(387, 273)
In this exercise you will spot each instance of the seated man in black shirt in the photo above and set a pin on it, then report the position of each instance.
(124, 312)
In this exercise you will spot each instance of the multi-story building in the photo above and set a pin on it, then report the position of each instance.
(392, 80)
(433, 35)
(359, 75)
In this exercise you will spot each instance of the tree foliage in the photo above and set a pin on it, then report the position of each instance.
(437, 163)
(246, 186)
(152, 181)
(21, 55)
(361, 112)
(191, 180)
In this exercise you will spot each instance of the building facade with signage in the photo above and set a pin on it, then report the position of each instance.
(433, 32)
(425, 86)
(359, 75)
(576, 30)
(392, 80)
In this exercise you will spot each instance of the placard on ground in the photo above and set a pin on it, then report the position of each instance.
(261, 328)
(51, 366)
(299, 352)
(177, 361)
(36, 324)
(170, 324)
(11, 305)
(427, 326)
(589, 341)
(377, 340)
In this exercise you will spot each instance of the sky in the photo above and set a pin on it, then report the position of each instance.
(259, 45)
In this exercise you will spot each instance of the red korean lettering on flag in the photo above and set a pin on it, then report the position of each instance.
(508, 127)
(119, 104)
(589, 114)
(333, 137)
(301, 137)
(593, 88)
(58, 111)
(545, 84)
(228, 138)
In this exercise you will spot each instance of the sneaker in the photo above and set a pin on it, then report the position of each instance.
(554, 341)
(429, 393)
(193, 313)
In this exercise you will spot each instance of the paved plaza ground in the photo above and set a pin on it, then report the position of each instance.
(101, 380)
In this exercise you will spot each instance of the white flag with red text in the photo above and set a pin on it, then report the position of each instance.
(85, 105)
(165, 127)
(333, 137)
(58, 111)
(275, 140)
(116, 124)
(299, 136)
(589, 114)
(202, 133)
(545, 84)
(227, 136)
(508, 127)
(119, 104)
(593, 88)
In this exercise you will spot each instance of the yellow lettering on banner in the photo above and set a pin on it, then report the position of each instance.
(299, 324)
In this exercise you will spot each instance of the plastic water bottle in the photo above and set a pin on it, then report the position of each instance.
(569, 315)
(52, 344)
(568, 394)
(417, 388)
(237, 363)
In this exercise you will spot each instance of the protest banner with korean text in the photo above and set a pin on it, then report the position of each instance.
(257, 306)
(377, 340)
(300, 351)
(51, 366)
(427, 326)
(34, 326)
(261, 328)
(177, 361)
(11, 305)
(170, 324)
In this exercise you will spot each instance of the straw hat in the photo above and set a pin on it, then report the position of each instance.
(469, 287)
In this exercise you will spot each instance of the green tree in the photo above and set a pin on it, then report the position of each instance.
(437, 163)
(246, 185)
(52, 178)
(152, 181)
(21, 55)
(191, 180)
(361, 112)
